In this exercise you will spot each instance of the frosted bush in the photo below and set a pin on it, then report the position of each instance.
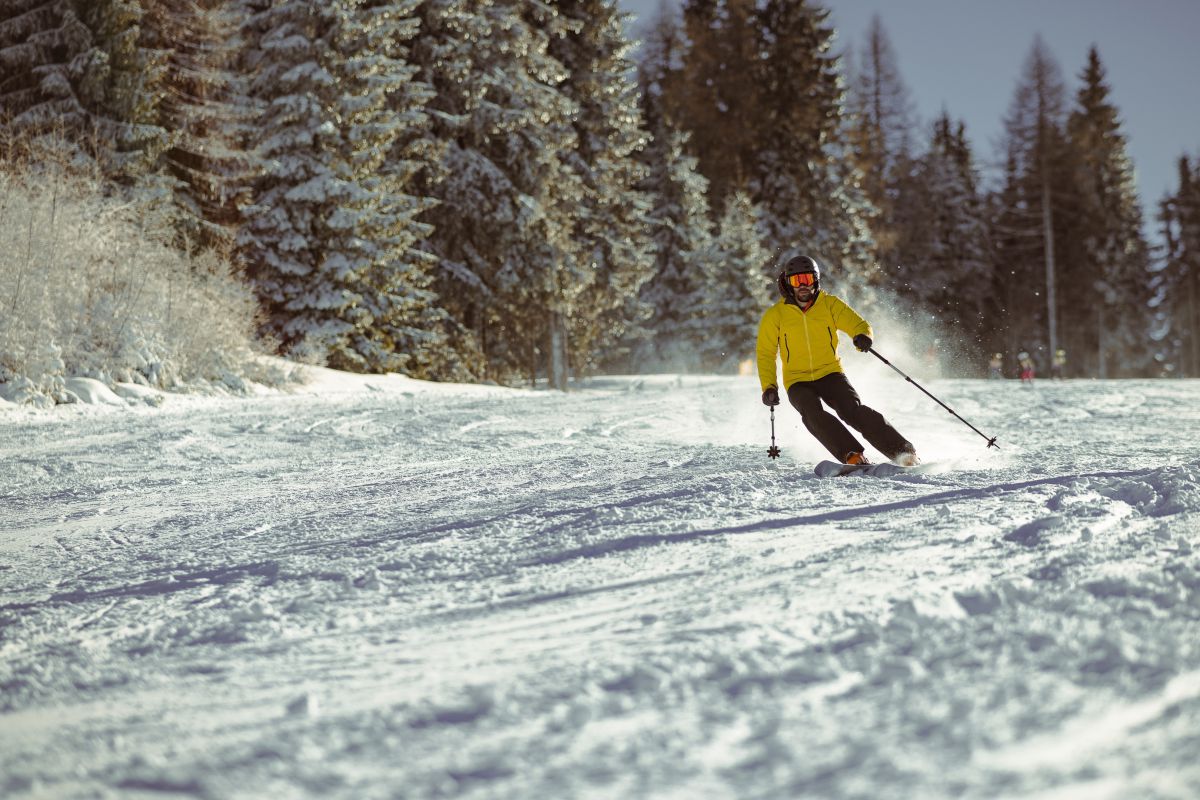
(90, 287)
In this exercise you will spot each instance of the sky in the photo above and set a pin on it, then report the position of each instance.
(967, 56)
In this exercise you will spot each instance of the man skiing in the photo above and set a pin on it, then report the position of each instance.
(802, 327)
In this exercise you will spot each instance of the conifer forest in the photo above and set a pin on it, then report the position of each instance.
(521, 192)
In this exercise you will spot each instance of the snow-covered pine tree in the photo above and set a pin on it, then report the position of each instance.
(736, 289)
(1106, 278)
(294, 62)
(329, 238)
(204, 106)
(611, 227)
(683, 249)
(39, 41)
(1177, 284)
(79, 69)
(418, 326)
(804, 176)
(444, 58)
(382, 108)
(509, 272)
(679, 224)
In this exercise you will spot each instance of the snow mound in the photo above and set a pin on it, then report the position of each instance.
(1163, 492)
(92, 392)
(135, 393)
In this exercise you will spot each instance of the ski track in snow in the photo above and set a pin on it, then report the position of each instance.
(466, 592)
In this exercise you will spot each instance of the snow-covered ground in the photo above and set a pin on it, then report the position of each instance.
(379, 588)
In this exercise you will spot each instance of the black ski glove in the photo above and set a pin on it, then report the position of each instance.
(862, 342)
(771, 396)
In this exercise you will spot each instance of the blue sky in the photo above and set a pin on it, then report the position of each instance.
(967, 56)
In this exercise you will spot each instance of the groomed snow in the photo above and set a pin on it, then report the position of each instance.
(382, 588)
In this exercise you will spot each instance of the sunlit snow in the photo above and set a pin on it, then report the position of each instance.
(378, 587)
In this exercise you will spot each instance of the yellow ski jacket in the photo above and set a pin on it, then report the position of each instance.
(805, 340)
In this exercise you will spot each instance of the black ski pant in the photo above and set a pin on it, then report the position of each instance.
(838, 394)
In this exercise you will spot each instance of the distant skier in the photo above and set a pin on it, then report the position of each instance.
(1025, 367)
(1058, 364)
(996, 366)
(802, 328)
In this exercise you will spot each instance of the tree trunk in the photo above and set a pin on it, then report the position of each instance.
(558, 353)
(1048, 230)
(1193, 340)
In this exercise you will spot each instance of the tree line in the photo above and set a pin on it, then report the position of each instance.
(501, 191)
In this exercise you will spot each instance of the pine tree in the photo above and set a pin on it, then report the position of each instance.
(43, 45)
(510, 272)
(293, 58)
(736, 288)
(330, 237)
(1038, 187)
(683, 251)
(205, 107)
(81, 70)
(804, 176)
(881, 127)
(943, 256)
(144, 88)
(611, 222)
(382, 109)
(760, 93)
(715, 95)
(1013, 308)
(1177, 286)
(679, 224)
(444, 57)
(1106, 278)
(659, 62)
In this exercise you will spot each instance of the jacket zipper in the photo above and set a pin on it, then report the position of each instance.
(808, 343)
(787, 350)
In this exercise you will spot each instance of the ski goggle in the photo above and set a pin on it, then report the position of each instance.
(802, 279)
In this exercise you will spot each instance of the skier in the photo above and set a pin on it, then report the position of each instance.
(1059, 364)
(803, 327)
(1025, 363)
(996, 366)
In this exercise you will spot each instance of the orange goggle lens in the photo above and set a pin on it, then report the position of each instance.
(802, 279)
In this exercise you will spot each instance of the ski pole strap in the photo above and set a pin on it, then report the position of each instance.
(991, 441)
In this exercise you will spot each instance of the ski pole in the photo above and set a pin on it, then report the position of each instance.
(773, 451)
(991, 442)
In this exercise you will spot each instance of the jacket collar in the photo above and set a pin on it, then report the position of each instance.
(791, 301)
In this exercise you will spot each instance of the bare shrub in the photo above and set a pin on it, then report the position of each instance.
(91, 287)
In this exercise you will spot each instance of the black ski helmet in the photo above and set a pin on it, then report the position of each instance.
(794, 265)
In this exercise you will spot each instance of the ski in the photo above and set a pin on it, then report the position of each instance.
(832, 469)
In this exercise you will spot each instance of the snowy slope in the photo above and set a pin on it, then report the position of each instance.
(375, 587)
